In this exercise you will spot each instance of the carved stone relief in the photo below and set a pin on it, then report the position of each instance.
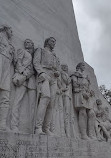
(66, 88)
(45, 64)
(51, 94)
(103, 122)
(24, 80)
(6, 57)
(81, 90)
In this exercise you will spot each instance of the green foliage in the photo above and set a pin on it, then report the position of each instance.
(106, 93)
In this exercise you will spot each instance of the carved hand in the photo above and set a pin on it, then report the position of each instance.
(65, 89)
(15, 81)
(85, 96)
(18, 79)
(21, 69)
(69, 81)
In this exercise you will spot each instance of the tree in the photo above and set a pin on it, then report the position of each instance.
(106, 93)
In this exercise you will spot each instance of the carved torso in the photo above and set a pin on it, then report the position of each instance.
(100, 114)
(5, 62)
(81, 90)
(45, 62)
(4, 45)
(66, 83)
(80, 82)
(24, 61)
(48, 60)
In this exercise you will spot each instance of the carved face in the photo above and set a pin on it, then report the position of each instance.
(64, 68)
(98, 102)
(51, 43)
(28, 44)
(107, 109)
(82, 67)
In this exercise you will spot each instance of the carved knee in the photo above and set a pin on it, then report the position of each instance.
(82, 112)
(91, 114)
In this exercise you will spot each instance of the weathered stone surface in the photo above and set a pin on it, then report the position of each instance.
(40, 19)
(33, 146)
(47, 111)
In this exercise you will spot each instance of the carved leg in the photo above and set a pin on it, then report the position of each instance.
(61, 112)
(41, 112)
(91, 124)
(97, 130)
(19, 94)
(106, 133)
(50, 109)
(32, 104)
(67, 115)
(54, 125)
(53, 122)
(42, 107)
(4, 108)
(83, 123)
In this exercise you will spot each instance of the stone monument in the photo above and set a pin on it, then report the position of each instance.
(50, 105)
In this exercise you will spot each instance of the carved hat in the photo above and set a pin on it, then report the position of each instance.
(47, 41)
(79, 65)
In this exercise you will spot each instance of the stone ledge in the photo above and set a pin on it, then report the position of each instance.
(33, 146)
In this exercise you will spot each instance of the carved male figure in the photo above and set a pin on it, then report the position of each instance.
(58, 112)
(81, 90)
(66, 88)
(24, 80)
(103, 122)
(45, 63)
(6, 53)
(57, 123)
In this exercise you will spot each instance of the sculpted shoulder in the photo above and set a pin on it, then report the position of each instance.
(77, 74)
(37, 50)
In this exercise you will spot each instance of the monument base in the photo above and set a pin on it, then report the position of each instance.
(32, 146)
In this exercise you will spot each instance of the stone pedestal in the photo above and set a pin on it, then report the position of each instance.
(32, 146)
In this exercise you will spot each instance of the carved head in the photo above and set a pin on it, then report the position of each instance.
(98, 102)
(50, 43)
(107, 109)
(64, 67)
(7, 30)
(80, 66)
(28, 44)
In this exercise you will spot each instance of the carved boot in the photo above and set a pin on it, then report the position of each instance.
(83, 124)
(3, 118)
(67, 126)
(48, 132)
(106, 133)
(84, 135)
(44, 101)
(15, 130)
(91, 125)
(39, 131)
(92, 134)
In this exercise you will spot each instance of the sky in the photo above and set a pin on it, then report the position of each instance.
(93, 19)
